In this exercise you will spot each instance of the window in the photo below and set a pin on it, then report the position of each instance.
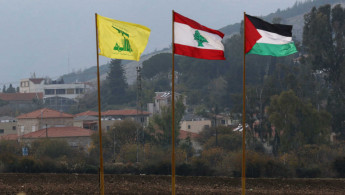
(22, 129)
(61, 91)
(14, 128)
(49, 91)
(108, 128)
(33, 128)
(223, 122)
(2, 131)
(188, 126)
(70, 91)
(79, 90)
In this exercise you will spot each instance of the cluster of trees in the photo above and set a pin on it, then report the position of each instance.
(10, 89)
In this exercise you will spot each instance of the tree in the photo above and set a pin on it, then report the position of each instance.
(4, 89)
(296, 122)
(324, 40)
(162, 123)
(11, 89)
(114, 88)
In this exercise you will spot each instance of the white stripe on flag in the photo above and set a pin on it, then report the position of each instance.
(184, 35)
(273, 38)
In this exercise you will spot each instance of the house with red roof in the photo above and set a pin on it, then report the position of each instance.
(22, 100)
(42, 118)
(87, 113)
(86, 122)
(74, 136)
(89, 119)
(9, 137)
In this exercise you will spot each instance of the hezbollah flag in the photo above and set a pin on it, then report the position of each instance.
(195, 40)
(121, 40)
(263, 38)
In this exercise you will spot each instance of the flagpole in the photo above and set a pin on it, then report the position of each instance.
(244, 110)
(173, 111)
(101, 171)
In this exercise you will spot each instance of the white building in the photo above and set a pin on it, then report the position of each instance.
(53, 89)
(163, 99)
(32, 85)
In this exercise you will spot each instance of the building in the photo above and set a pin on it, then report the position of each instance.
(86, 122)
(163, 99)
(74, 136)
(110, 116)
(194, 124)
(56, 94)
(32, 85)
(8, 125)
(20, 101)
(223, 120)
(42, 118)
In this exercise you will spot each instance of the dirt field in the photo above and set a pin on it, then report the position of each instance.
(32, 184)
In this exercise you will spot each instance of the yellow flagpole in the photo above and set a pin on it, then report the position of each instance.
(101, 171)
(173, 111)
(244, 110)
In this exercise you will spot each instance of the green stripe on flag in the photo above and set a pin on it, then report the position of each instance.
(273, 50)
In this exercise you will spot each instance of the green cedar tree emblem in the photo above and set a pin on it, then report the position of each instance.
(125, 42)
(199, 38)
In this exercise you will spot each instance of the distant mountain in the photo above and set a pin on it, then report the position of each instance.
(90, 74)
(293, 16)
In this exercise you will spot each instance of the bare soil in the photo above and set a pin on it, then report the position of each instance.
(35, 184)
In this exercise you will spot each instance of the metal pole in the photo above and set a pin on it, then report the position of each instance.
(101, 170)
(173, 111)
(244, 110)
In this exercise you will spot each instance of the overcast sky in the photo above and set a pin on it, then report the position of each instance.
(54, 37)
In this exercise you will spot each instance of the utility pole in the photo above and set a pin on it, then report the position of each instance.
(139, 107)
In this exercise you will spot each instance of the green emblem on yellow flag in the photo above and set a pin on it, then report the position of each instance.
(121, 40)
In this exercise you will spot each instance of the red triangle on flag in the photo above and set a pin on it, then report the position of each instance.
(251, 35)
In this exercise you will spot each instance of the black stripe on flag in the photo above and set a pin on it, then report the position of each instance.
(281, 29)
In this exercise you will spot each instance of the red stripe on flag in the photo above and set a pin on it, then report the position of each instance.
(184, 20)
(251, 35)
(208, 54)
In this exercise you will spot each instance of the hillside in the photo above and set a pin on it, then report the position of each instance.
(293, 16)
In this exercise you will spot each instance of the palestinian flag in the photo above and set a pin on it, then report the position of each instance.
(263, 38)
(195, 40)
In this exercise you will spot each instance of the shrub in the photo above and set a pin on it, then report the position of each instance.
(308, 172)
(339, 166)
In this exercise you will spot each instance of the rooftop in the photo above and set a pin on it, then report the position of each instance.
(124, 113)
(87, 113)
(60, 132)
(184, 134)
(9, 137)
(45, 113)
(20, 96)
(36, 80)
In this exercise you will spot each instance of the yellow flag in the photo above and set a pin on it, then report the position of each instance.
(121, 40)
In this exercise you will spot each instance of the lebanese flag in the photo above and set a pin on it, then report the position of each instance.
(263, 38)
(195, 40)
